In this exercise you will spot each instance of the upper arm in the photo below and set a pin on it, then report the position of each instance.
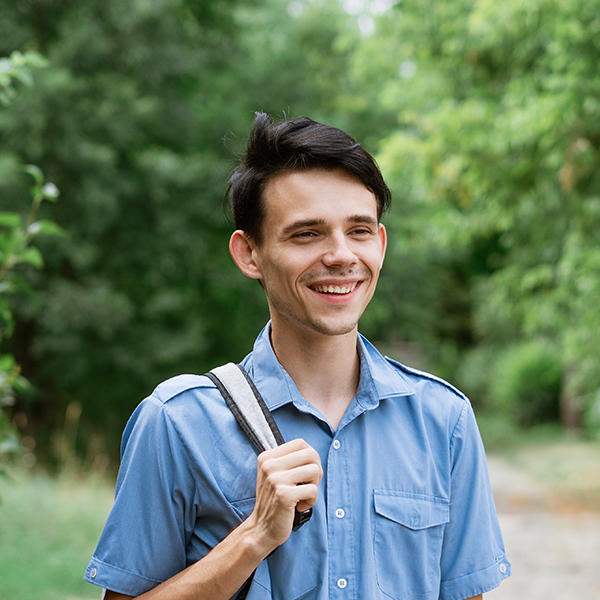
(143, 541)
(473, 555)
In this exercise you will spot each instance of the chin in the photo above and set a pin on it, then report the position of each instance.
(333, 329)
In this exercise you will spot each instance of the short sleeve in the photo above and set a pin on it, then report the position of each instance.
(136, 553)
(473, 556)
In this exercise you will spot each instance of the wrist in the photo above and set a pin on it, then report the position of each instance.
(255, 540)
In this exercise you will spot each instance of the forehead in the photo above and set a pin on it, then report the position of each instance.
(316, 193)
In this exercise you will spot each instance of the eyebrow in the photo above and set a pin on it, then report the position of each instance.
(301, 224)
(367, 219)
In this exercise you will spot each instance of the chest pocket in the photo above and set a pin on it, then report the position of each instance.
(408, 535)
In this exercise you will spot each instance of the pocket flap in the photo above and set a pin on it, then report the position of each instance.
(414, 511)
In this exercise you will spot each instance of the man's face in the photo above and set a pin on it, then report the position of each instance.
(322, 250)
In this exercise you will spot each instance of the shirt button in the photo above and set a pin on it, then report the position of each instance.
(93, 572)
(502, 568)
(336, 444)
(342, 583)
(339, 513)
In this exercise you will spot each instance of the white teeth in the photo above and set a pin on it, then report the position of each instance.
(335, 289)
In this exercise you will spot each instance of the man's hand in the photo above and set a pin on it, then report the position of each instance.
(288, 478)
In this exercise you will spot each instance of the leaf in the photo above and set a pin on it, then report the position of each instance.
(32, 256)
(36, 173)
(35, 59)
(10, 220)
(7, 362)
(45, 227)
(13, 283)
(24, 76)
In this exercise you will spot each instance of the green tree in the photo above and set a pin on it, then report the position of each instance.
(16, 235)
(129, 121)
(498, 146)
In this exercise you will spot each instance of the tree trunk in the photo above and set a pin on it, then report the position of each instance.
(570, 415)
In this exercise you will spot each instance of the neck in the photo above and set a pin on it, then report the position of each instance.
(325, 368)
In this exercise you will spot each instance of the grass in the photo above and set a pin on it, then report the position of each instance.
(568, 465)
(48, 531)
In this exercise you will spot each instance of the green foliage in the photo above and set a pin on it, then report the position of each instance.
(11, 383)
(17, 67)
(525, 384)
(484, 118)
(129, 120)
(497, 151)
(16, 236)
(592, 415)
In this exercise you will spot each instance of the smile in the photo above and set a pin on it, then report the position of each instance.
(335, 289)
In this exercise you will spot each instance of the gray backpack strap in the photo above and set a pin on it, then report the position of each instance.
(247, 405)
(255, 419)
(251, 413)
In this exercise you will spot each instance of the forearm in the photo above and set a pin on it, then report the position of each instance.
(218, 575)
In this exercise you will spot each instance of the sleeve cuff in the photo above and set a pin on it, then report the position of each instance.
(117, 580)
(476, 583)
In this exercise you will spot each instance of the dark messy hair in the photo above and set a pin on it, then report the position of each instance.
(296, 144)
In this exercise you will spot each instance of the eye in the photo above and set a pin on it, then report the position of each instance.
(362, 231)
(304, 235)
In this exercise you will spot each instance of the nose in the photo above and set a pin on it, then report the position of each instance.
(339, 252)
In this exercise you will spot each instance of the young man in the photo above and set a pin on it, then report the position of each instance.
(389, 458)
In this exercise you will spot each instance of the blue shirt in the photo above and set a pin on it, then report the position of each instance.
(404, 509)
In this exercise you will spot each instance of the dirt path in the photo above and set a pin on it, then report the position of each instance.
(552, 542)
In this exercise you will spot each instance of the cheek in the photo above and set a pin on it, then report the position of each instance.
(276, 278)
(374, 261)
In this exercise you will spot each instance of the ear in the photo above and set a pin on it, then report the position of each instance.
(241, 249)
(383, 239)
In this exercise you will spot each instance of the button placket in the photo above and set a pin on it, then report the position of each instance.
(339, 526)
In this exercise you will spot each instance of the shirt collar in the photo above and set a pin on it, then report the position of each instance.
(378, 378)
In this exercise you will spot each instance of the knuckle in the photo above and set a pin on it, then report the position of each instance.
(272, 480)
(280, 494)
(300, 443)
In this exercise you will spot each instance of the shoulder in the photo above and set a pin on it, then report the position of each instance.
(175, 386)
(438, 401)
(178, 400)
(415, 377)
(441, 405)
(392, 378)
(183, 408)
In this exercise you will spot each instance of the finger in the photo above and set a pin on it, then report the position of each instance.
(301, 497)
(299, 476)
(270, 460)
(290, 462)
(288, 448)
(308, 497)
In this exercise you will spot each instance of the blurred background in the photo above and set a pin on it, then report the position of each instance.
(120, 122)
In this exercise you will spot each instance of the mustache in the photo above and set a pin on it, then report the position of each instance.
(353, 273)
